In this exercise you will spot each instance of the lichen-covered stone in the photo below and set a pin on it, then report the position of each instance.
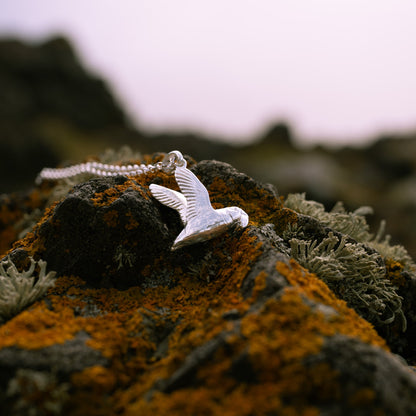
(231, 326)
(106, 231)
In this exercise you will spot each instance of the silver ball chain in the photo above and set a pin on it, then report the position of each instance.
(168, 165)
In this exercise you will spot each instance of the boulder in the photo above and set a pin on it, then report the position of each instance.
(232, 325)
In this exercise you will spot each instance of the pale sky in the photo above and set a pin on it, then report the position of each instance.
(335, 69)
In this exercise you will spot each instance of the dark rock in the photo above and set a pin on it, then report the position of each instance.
(105, 243)
(229, 322)
(266, 264)
(48, 78)
(48, 101)
(63, 359)
(360, 365)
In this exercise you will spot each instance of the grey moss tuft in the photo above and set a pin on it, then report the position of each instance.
(354, 225)
(353, 274)
(20, 289)
(381, 243)
(354, 270)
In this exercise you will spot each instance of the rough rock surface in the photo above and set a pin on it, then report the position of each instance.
(53, 109)
(231, 326)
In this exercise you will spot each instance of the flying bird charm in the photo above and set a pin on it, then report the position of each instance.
(202, 222)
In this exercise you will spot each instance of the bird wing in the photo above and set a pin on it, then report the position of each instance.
(170, 198)
(196, 194)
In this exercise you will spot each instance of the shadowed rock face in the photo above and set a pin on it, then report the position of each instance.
(122, 234)
(233, 325)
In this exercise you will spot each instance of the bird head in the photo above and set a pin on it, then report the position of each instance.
(238, 216)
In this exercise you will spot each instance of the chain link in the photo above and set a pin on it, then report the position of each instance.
(168, 165)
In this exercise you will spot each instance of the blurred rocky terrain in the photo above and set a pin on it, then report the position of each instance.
(306, 311)
(53, 111)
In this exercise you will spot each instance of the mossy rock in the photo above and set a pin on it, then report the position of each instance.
(230, 326)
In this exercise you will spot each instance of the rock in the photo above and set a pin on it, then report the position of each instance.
(114, 222)
(52, 108)
(64, 359)
(50, 102)
(233, 325)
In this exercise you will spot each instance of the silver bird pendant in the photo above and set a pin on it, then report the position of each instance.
(202, 222)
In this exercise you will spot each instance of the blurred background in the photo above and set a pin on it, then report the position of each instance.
(315, 96)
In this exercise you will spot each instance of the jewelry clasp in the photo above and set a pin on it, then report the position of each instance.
(173, 160)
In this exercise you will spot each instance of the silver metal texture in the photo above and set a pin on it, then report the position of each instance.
(202, 222)
(171, 161)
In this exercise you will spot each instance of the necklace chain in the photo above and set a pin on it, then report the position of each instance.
(201, 221)
(168, 165)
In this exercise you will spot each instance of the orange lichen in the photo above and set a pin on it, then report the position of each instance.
(95, 379)
(110, 195)
(65, 283)
(394, 272)
(275, 340)
(261, 206)
(106, 197)
(279, 338)
(259, 284)
(13, 209)
(39, 327)
(111, 218)
(259, 203)
(271, 340)
(31, 241)
(314, 288)
(131, 222)
(282, 218)
(362, 397)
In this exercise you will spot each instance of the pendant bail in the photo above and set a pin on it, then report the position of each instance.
(173, 160)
